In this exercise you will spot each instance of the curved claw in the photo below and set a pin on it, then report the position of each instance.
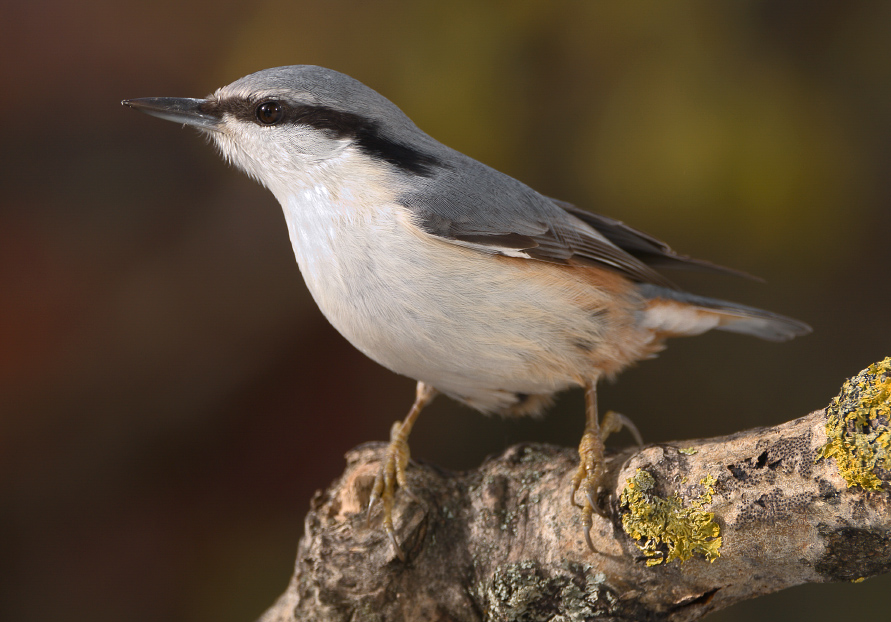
(391, 534)
(371, 503)
(592, 502)
(374, 497)
(586, 529)
(588, 540)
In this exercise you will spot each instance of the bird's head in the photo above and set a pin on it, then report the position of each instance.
(280, 125)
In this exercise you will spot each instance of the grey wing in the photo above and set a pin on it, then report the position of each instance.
(475, 206)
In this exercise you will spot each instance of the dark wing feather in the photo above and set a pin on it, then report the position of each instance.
(648, 249)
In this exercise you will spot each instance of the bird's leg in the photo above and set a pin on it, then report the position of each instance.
(590, 473)
(392, 472)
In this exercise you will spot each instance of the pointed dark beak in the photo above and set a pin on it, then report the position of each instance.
(195, 112)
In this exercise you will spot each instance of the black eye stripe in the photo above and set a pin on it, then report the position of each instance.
(336, 124)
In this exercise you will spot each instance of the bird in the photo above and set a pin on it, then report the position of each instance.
(450, 272)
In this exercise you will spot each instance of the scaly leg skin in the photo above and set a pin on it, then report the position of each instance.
(590, 473)
(392, 472)
(589, 476)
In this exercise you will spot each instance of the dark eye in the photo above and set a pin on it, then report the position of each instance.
(270, 113)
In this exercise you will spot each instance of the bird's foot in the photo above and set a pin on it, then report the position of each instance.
(390, 477)
(614, 422)
(588, 480)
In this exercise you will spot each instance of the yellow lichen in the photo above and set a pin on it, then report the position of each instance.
(669, 529)
(857, 427)
(688, 451)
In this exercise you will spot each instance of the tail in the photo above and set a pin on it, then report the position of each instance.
(671, 313)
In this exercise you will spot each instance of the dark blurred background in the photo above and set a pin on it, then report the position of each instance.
(170, 397)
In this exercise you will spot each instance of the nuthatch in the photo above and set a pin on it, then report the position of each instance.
(447, 271)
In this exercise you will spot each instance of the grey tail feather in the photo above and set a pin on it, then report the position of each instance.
(737, 318)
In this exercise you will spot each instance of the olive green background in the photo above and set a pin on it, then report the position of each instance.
(170, 397)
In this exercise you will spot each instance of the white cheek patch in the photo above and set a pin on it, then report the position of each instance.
(314, 143)
(277, 153)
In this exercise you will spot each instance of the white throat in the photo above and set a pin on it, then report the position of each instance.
(323, 202)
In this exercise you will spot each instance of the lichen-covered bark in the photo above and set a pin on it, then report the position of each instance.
(503, 543)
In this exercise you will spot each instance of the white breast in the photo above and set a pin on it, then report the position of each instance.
(478, 328)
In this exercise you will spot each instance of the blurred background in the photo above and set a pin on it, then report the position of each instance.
(170, 397)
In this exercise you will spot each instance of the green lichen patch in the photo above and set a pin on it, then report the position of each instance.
(669, 529)
(857, 427)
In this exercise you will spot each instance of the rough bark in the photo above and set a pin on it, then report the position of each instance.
(503, 542)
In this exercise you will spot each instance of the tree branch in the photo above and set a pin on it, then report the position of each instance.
(771, 507)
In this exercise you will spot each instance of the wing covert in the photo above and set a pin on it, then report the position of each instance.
(475, 206)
